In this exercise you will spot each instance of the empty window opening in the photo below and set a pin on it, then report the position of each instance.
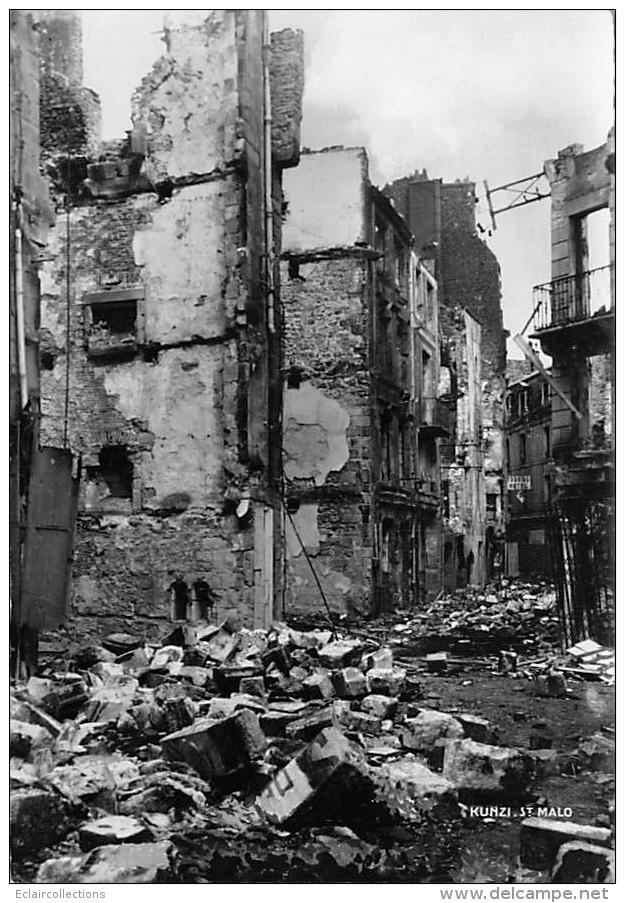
(46, 359)
(116, 470)
(294, 377)
(544, 394)
(180, 600)
(522, 448)
(522, 402)
(591, 242)
(164, 190)
(491, 504)
(547, 442)
(202, 601)
(116, 317)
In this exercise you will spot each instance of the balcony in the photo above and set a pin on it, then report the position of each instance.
(434, 417)
(575, 309)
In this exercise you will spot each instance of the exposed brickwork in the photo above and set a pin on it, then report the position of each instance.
(287, 86)
(326, 345)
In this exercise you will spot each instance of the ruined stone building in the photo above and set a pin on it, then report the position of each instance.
(574, 323)
(160, 322)
(441, 215)
(529, 471)
(361, 415)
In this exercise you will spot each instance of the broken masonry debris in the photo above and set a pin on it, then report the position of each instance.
(541, 838)
(127, 863)
(320, 785)
(483, 771)
(217, 748)
(583, 863)
(112, 829)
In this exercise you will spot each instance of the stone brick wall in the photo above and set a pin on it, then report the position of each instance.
(327, 433)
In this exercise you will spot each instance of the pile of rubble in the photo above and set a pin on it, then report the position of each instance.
(521, 616)
(281, 755)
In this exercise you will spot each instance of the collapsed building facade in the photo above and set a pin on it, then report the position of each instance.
(574, 323)
(160, 324)
(441, 215)
(361, 414)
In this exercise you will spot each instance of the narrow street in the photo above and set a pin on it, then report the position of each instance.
(146, 763)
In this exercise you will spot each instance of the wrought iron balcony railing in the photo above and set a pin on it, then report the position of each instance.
(572, 298)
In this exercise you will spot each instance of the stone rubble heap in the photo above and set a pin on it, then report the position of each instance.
(306, 743)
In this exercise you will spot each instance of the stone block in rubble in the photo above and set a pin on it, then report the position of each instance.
(109, 671)
(71, 693)
(112, 829)
(380, 658)
(37, 818)
(85, 658)
(198, 676)
(476, 728)
(220, 707)
(165, 655)
(314, 639)
(430, 729)
(318, 686)
(360, 722)
(128, 863)
(135, 660)
(25, 737)
(42, 692)
(178, 713)
(481, 771)
(547, 763)
(583, 649)
(436, 662)
(381, 706)
(218, 748)
(228, 677)
(341, 653)
(94, 779)
(274, 724)
(181, 635)
(218, 643)
(108, 703)
(350, 683)
(551, 684)
(118, 643)
(166, 793)
(278, 657)
(320, 785)
(597, 753)
(583, 863)
(386, 681)
(252, 686)
(308, 726)
(541, 838)
(410, 789)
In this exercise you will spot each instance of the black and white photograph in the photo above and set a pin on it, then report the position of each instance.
(312, 384)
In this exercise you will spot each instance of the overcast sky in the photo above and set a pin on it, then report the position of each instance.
(488, 94)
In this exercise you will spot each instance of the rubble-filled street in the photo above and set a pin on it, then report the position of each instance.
(455, 746)
(311, 446)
